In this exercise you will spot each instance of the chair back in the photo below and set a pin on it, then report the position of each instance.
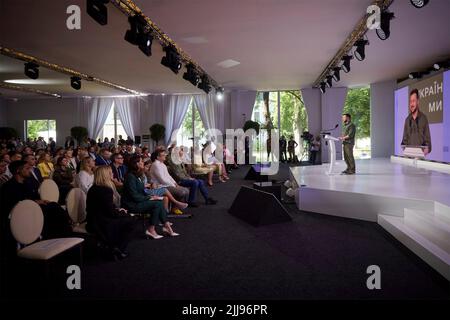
(27, 221)
(49, 190)
(76, 205)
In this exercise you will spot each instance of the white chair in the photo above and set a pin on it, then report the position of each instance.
(49, 190)
(76, 207)
(27, 221)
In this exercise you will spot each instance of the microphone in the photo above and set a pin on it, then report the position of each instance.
(335, 127)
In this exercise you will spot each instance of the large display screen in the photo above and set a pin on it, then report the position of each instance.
(422, 117)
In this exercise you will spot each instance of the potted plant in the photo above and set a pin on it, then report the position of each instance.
(79, 133)
(249, 124)
(8, 133)
(157, 132)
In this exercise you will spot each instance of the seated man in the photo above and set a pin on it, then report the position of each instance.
(103, 159)
(160, 175)
(118, 170)
(56, 220)
(184, 179)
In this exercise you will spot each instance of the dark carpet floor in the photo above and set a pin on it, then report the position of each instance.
(218, 256)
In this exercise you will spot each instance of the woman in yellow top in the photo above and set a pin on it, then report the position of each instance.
(45, 165)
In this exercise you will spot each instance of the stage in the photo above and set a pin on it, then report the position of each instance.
(410, 202)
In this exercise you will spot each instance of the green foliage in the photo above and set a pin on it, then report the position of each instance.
(358, 106)
(293, 116)
(198, 123)
(36, 126)
(157, 132)
(8, 133)
(79, 133)
(249, 124)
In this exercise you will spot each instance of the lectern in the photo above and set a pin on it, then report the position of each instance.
(332, 151)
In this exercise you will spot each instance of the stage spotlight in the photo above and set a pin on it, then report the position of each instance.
(346, 64)
(32, 70)
(336, 74)
(360, 52)
(172, 59)
(329, 81)
(204, 84)
(191, 75)
(97, 10)
(419, 3)
(322, 87)
(384, 31)
(418, 75)
(75, 82)
(145, 43)
(138, 35)
(441, 65)
(219, 93)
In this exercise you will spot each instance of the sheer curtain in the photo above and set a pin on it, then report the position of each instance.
(97, 110)
(208, 110)
(176, 107)
(128, 109)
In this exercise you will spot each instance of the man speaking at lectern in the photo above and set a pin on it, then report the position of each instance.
(416, 131)
(348, 142)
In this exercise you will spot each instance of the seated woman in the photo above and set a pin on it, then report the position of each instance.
(45, 165)
(63, 176)
(152, 189)
(104, 216)
(208, 151)
(136, 200)
(85, 178)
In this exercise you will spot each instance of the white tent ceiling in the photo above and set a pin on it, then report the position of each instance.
(279, 44)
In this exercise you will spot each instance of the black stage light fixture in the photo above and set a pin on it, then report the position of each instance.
(384, 31)
(132, 35)
(204, 84)
(97, 10)
(418, 75)
(329, 81)
(322, 87)
(138, 35)
(360, 52)
(346, 65)
(336, 74)
(145, 43)
(75, 82)
(191, 75)
(172, 59)
(415, 75)
(32, 70)
(441, 65)
(419, 3)
(219, 93)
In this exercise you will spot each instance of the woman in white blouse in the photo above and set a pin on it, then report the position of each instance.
(85, 179)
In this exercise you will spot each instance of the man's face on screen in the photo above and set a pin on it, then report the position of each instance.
(413, 103)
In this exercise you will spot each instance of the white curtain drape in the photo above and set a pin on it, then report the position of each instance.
(129, 112)
(97, 110)
(208, 109)
(176, 107)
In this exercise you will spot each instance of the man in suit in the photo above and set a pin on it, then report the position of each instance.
(35, 179)
(103, 159)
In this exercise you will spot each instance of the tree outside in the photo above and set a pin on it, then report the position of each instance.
(41, 128)
(357, 105)
(293, 119)
(192, 127)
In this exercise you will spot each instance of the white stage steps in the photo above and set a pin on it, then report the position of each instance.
(427, 234)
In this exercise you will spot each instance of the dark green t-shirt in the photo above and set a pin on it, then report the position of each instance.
(349, 130)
